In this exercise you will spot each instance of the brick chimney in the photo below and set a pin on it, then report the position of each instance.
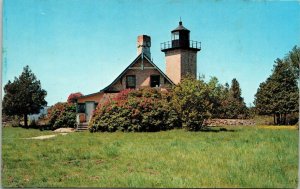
(143, 45)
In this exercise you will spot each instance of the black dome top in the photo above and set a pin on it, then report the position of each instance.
(180, 27)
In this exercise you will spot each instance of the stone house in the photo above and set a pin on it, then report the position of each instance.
(181, 60)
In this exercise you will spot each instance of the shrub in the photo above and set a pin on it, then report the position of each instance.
(62, 115)
(135, 110)
(191, 101)
(73, 97)
(15, 122)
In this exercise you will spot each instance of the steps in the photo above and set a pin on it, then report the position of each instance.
(82, 127)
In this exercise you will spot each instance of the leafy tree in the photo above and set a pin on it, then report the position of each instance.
(192, 102)
(218, 95)
(24, 95)
(279, 94)
(226, 101)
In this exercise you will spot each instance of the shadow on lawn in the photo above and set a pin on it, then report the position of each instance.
(216, 130)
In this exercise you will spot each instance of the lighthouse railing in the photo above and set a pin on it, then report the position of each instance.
(176, 44)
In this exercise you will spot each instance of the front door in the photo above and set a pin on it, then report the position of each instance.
(89, 108)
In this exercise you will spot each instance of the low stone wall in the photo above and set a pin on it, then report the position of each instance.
(224, 122)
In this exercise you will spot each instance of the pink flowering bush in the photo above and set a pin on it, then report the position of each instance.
(135, 111)
(73, 96)
(62, 114)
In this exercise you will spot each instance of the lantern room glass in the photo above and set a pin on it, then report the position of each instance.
(175, 36)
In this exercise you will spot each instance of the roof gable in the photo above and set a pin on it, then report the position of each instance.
(135, 65)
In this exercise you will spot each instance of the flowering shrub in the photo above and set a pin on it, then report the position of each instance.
(73, 96)
(135, 110)
(62, 115)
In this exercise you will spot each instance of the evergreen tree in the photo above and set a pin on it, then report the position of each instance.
(235, 106)
(280, 93)
(24, 96)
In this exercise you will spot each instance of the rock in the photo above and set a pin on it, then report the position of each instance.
(229, 122)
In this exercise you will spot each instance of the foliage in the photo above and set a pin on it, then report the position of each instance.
(279, 94)
(135, 110)
(62, 115)
(191, 101)
(227, 102)
(236, 107)
(24, 95)
(246, 157)
(73, 97)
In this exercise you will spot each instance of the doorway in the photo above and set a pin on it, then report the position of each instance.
(89, 108)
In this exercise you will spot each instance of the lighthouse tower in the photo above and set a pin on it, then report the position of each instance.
(181, 54)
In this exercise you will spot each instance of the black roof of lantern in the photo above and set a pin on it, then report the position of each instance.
(180, 27)
(182, 41)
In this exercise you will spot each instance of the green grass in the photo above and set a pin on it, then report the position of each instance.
(248, 157)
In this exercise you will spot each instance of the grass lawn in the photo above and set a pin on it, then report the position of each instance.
(243, 157)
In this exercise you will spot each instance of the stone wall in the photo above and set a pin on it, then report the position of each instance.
(229, 122)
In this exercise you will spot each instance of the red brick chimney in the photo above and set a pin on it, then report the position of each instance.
(143, 45)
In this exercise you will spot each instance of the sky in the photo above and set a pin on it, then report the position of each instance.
(83, 45)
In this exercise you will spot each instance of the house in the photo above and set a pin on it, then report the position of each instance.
(181, 60)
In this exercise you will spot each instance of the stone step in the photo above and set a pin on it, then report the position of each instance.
(82, 127)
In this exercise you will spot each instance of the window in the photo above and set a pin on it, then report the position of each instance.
(80, 108)
(175, 35)
(154, 80)
(130, 82)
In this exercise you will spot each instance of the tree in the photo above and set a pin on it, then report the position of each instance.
(191, 100)
(236, 106)
(73, 96)
(24, 95)
(279, 94)
(218, 95)
(226, 101)
(293, 58)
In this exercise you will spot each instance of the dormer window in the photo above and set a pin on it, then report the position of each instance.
(130, 82)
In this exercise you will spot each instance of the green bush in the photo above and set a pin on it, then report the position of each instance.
(135, 111)
(191, 101)
(62, 115)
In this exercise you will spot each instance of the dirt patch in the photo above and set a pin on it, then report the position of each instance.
(64, 130)
(42, 137)
(46, 136)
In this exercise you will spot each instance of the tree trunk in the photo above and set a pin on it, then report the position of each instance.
(277, 119)
(25, 121)
(274, 118)
(284, 119)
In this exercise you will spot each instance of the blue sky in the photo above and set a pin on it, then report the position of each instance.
(83, 45)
